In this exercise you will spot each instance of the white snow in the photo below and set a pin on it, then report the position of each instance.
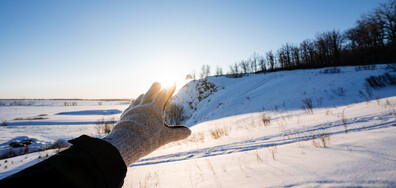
(358, 131)
(61, 122)
(283, 90)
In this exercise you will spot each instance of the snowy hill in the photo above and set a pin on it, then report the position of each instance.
(252, 132)
(218, 97)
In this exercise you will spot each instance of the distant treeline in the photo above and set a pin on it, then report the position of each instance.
(371, 41)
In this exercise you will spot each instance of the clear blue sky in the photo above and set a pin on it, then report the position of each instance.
(116, 49)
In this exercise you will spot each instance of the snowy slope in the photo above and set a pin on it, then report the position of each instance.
(348, 140)
(283, 90)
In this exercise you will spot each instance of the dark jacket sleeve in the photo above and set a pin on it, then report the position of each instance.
(89, 162)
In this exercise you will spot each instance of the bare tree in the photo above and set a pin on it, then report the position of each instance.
(307, 48)
(194, 77)
(322, 49)
(262, 65)
(188, 77)
(202, 74)
(386, 14)
(271, 59)
(244, 66)
(254, 60)
(295, 53)
(234, 70)
(335, 41)
(219, 71)
(369, 33)
(284, 56)
(205, 71)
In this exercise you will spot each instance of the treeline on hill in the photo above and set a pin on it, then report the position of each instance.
(371, 41)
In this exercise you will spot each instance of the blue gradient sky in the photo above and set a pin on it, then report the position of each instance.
(116, 49)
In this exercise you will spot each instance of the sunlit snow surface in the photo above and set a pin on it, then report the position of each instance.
(360, 135)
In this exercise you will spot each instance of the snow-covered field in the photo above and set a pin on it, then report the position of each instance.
(58, 121)
(347, 141)
(287, 152)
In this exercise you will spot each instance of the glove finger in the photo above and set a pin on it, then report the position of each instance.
(133, 104)
(176, 132)
(151, 93)
(163, 98)
(171, 92)
(137, 100)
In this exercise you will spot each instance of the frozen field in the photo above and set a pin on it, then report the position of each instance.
(250, 132)
(50, 120)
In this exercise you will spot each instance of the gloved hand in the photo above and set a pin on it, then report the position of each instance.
(142, 127)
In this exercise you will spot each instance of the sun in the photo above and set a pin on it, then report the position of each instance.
(168, 79)
(167, 82)
(170, 70)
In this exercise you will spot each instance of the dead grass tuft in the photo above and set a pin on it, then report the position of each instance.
(151, 180)
(196, 137)
(321, 140)
(258, 157)
(344, 121)
(265, 118)
(273, 150)
(219, 132)
(307, 106)
(388, 104)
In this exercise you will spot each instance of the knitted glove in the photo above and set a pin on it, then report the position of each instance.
(142, 127)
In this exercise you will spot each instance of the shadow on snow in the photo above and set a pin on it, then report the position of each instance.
(91, 112)
(261, 142)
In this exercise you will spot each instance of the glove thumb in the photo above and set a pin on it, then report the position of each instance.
(176, 132)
